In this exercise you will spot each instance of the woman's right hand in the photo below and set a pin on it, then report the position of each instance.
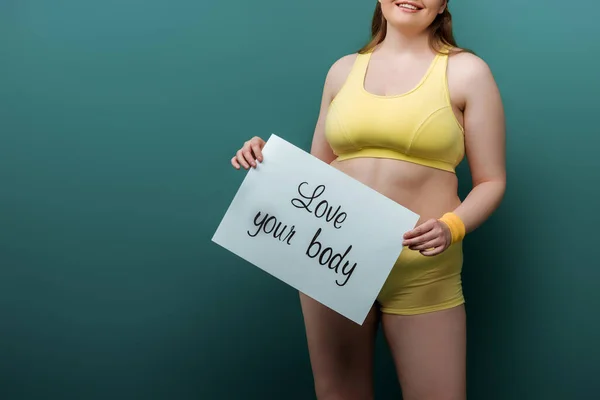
(249, 153)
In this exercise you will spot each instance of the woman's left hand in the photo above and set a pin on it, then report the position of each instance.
(430, 238)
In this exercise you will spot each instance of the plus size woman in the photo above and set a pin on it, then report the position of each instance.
(399, 116)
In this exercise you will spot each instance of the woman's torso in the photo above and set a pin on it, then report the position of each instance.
(399, 131)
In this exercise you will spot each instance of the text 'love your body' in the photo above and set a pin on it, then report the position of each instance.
(265, 223)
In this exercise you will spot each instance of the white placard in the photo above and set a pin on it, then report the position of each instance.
(315, 228)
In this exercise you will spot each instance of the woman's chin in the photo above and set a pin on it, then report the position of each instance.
(409, 24)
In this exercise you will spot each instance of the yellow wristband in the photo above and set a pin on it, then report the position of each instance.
(457, 227)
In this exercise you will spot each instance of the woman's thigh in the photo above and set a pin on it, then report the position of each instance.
(341, 352)
(429, 351)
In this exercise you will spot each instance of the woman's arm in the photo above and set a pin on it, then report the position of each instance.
(485, 144)
(483, 120)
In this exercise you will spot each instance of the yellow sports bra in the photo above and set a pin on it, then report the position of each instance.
(418, 126)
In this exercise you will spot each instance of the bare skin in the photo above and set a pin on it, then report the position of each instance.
(429, 350)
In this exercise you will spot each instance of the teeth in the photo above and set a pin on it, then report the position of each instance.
(409, 6)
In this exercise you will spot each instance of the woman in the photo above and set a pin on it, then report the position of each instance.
(399, 116)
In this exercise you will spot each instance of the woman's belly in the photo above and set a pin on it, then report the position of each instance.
(426, 191)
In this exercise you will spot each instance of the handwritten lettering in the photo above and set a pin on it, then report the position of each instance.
(269, 224)
(322, 209)
(327, 257)
(313, 203)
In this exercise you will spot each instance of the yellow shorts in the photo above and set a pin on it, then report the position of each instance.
(420, 284)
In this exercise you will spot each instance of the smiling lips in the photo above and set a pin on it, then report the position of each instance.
(408, 6)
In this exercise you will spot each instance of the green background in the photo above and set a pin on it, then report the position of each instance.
(117, 123)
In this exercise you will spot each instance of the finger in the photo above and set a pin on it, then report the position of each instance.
(426, 237)
(257, 152)
(241, 160)
(235, 163)
(419, 230)
(249, 157)
(431, 244)
(433, 252)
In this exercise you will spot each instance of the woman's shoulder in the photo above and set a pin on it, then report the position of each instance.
(340, 70)
(470, 80)
(467, 66)
(342, 66)
(345, 61)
